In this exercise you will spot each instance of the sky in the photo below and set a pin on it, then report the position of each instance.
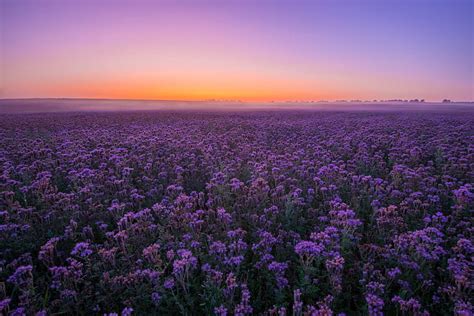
(240, 50)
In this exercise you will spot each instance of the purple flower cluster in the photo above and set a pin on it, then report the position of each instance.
(278, 213)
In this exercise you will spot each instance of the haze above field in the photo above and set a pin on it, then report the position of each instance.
(11, 106)
(246, 50)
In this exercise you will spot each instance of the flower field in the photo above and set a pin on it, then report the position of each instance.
(262, 213)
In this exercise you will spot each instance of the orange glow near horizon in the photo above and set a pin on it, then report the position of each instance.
(190, 93)
(192, 88)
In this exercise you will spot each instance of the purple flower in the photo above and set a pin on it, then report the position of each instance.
(244, 307)
(20, 311)
(308, 251)
(220, 311)
(186, 262)
(297, 303)
(169, 283)
(4, 304)
(279, 268)
(22, 276)
(127, 311)
(155, 298)
(375, 305)
(425, 243)
(392, 273)
(82, 249)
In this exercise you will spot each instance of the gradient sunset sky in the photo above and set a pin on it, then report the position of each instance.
(247, 50)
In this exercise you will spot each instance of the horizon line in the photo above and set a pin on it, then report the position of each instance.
(249, 101)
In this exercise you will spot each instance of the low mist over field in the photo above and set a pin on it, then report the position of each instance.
(99, 105)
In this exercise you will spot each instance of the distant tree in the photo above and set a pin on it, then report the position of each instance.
(446, 101)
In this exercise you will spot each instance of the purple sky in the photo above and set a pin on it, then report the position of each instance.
(249, 50)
